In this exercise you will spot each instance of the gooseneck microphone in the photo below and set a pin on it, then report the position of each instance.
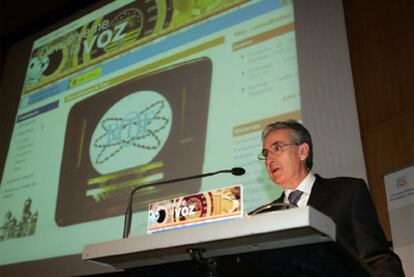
(236, 171)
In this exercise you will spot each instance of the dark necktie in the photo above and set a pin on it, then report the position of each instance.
(294, 197)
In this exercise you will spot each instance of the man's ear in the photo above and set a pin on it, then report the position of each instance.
(303, 151)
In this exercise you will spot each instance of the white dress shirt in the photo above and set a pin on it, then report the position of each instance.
(306, 187)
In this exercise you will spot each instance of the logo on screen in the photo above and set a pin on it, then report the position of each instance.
(131, 132)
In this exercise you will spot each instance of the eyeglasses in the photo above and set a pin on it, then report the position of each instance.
(274, 149)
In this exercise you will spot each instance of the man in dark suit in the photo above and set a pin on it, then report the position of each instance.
(287, 152)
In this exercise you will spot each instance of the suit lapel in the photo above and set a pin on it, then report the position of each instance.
(319, 195)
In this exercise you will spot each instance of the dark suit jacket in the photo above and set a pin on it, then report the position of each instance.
(348, 202)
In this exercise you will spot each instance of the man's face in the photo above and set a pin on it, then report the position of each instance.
(285, 167)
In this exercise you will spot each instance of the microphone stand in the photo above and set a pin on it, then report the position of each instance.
(128, 213)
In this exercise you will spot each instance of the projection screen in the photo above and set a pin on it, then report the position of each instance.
(141, 91)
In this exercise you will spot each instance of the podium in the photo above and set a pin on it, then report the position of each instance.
(302, 237)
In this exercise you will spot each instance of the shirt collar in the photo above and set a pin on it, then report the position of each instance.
(305, 185)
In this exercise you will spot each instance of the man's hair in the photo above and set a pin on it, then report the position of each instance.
(299, 134)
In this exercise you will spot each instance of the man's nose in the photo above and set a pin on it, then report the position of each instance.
(270, 159)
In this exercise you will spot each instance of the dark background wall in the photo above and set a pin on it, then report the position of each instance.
(381, 44)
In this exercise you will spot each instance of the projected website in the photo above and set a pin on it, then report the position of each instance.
(138, 92)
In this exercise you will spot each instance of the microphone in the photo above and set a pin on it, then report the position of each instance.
(236, 171)
(272, 207)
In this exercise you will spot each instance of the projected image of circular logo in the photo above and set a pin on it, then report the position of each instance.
(131, 132)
